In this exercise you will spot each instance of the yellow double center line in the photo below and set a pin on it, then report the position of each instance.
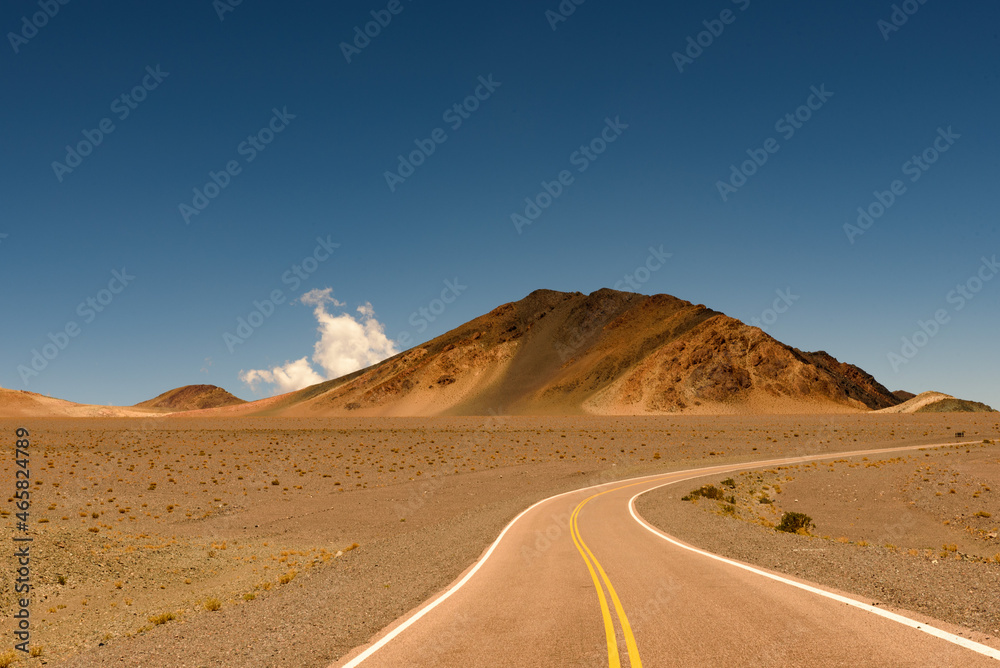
(614, 660)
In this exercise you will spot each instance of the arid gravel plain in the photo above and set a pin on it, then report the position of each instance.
(281, 541)
(913, 531)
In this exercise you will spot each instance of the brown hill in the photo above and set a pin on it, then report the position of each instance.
(953, 405)
(605, 353)
(854, 381)
(192, 397)
(23, 404)
(903, 395)
(938, 402)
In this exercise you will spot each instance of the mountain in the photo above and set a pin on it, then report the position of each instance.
(23, 404)
(953, 405)
(558, 353)
(610, 352)
(938, 402)
(903, 395)
(192, 397)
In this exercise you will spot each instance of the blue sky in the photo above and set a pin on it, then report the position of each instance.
(271, 82)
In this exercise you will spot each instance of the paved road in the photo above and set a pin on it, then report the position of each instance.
(580, 580)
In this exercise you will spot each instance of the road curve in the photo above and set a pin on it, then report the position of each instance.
(579, 579)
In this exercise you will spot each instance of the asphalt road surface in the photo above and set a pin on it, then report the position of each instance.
(580, 579)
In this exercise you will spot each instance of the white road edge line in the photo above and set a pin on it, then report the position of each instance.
(704, 471)
(985, 650)
(382, 642)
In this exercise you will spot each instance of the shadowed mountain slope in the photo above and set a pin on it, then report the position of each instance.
(938, 402)
(192, 397)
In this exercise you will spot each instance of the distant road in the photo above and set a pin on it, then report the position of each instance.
(580, 579)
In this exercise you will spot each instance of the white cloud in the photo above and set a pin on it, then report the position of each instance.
(287, 378)
(345, 345)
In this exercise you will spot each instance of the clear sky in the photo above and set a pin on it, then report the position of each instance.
(286, 118)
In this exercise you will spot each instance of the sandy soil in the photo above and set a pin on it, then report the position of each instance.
(916, 531)
(147, 517)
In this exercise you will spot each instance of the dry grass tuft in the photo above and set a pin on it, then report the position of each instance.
(162, 618)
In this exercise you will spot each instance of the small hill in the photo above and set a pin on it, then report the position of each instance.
(23, 404)
(938, 402)
(191, 398)
(952, 405)
(903, 395)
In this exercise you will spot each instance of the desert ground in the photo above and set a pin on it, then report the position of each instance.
(914, 531)
(283, 541)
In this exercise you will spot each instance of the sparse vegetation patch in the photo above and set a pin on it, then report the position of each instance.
(792, 522)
